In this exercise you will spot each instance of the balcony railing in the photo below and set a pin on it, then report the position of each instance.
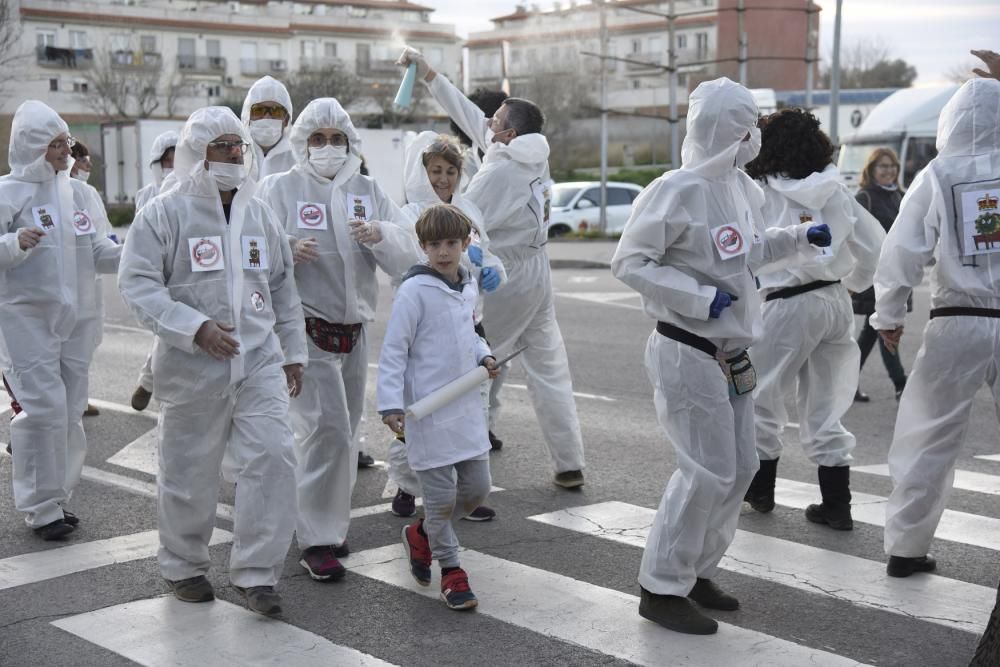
(254, 66)
(319, 63)
(136, 60)
(378, 68)
(51, 56)
(201, 64)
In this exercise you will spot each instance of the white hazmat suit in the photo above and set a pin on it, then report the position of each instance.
(185, 264)
(339, 288)
(693, 232)
(513, 190)
(950, 206)
(280, 157)
(49, 325)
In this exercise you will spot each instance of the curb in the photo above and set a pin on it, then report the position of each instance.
(578, 264)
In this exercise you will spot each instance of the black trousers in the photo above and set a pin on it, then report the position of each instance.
(866, 341)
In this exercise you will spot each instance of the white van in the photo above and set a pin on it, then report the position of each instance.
(906, 122)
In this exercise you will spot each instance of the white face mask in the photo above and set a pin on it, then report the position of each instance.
(489, 136)
(266, 132)
(227, 176)
(82, 175)
(328, 160)
(749, 149)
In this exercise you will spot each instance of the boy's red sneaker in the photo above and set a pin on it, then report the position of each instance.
(455, 590)
(418, 551)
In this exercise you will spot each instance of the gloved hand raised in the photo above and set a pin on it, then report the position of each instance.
(489, 278)
(721, 301)
(819, 235)
(411, 55)
(475, 255)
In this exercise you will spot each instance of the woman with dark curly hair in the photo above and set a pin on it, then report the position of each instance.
(808, 323)
(880, 194)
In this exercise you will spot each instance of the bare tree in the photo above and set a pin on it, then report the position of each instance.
(117, 87)
(867, 63)
(12, 55)
(330, 81)
(961, 72)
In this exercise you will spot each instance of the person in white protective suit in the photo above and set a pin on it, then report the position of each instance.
(342, 227)
(808, 333)
(208, 270)
(690, 247)
(945, 221)
(161, 163)
(267, 113)
(433, 172)
(513, 191)
(50, 253)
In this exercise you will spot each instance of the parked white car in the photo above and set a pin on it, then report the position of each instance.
(576, 207)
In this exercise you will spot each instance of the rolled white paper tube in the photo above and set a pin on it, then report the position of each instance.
(448, 393)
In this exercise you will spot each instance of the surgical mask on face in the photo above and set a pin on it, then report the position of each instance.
(227, 176)
(328, 160)
(748, 149)
(82, 175)
(489, 136)
(266, 132)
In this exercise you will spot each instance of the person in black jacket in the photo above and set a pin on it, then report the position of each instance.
(880, 195)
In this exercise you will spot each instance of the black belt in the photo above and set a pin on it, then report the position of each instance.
(686, 337)
(967, 311)
(786, 292)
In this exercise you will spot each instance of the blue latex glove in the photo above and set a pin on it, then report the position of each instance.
(489, 278)
(721, 301)
(113, 237)
(819, 235)
(475, 254)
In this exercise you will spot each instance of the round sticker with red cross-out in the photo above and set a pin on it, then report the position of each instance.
(728, 241)
(206, 253)
(82, 224)
(311, 215)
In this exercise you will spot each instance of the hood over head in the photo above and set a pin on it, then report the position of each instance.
(721, 113)
(416, 184)
(969, 124)
(34, 127)
(527, 148)
(266, 89)
(162, 142)
(325, 112)
(813, 191)
(202, 127)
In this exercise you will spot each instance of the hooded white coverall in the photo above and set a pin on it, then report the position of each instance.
(280, 157)
(809, 337)
(669, 254)
(341, 288)
(512, 189)
(936, 227)
(48, 314)
(162, 142)
(183, 265)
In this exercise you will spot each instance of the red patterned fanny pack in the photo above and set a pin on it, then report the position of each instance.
(330, 337)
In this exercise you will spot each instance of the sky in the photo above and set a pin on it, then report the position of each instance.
(932, 35)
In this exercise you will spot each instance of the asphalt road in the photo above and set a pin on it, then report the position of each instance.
(555, 590)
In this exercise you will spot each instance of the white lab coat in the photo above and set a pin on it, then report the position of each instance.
(429, 342)
(513, 190)
(48, 326)
(959, 353)
(211, 407)
(669, 255)
(808, 339)
(341, 288)
(280, 158)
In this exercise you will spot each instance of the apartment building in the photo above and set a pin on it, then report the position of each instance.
(178, 55)
(555, 39)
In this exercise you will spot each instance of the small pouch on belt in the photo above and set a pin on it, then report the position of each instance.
(330, 337)
(740, 374)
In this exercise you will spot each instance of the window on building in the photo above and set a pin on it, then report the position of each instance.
(80, 86)
(248, 56)
(45, 37)
(701, 40)
(435, 56)
(273, 51)
(654, 45)
(330, 49)
(636, 46)
(54, 85)
(147, 43)
(119, 42)
(308, 49)
(682, 41)
(482, 61)
(213, 49)
(77, 39)
(636, 84)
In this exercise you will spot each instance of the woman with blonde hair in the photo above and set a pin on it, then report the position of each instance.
(881, 194)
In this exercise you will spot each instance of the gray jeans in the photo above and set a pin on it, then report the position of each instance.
(451, 492)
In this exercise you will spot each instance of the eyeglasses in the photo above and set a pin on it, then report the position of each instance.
(318, 140)
(264, 110)
(229, 146)
(69, 142)
(887, 167)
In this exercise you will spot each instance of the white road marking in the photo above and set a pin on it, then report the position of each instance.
(166, 631)
(988, 457)
(863, 582)
(582, 280)
(127, 329)
(601, 619)
(578, 394)
(38, 566)
(140, 454)
(964, 479)
(121, 407)
(604, 298)
(971, 529)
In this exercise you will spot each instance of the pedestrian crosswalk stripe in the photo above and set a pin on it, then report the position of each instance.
(140, 454)
(166, 631)
(971, 529)
(863, 582)
(964, 479)
(601, 619)
(988, 457)
(38, 566)
(121, 407)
